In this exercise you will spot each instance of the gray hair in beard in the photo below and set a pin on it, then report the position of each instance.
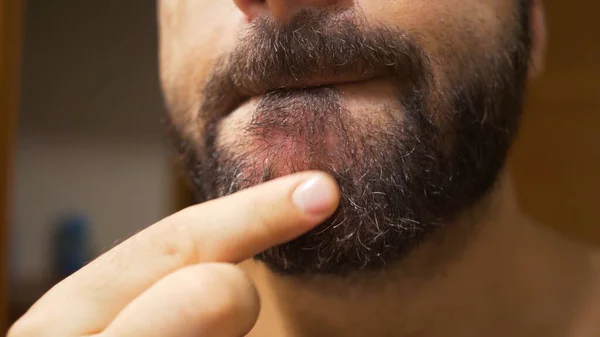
(399, 183)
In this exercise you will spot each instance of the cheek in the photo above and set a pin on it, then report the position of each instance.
(193, 34)
(444, 26)
(431, 14)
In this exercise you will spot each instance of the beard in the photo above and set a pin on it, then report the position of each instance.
(404, 169)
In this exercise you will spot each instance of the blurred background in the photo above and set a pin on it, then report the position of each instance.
(84, 162)
(89, 163)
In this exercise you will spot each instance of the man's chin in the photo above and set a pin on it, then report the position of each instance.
(368, 231)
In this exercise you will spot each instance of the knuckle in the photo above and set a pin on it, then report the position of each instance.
(262, 216)
(173, 241)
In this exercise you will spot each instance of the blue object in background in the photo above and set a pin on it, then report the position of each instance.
(71, 246)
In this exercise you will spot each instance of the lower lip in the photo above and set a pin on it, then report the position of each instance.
(361, 98)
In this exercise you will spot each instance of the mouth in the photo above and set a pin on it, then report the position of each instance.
(250, 91)
(237, 85)
(246, 89)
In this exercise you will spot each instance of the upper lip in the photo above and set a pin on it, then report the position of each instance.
(249, 88)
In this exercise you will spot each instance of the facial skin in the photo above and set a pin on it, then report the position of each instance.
(410, 105)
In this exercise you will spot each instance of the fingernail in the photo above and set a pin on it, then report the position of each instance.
(315, 196)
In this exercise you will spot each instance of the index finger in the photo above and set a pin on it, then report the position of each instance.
(229, 229)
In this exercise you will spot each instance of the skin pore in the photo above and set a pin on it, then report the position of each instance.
(483, 269)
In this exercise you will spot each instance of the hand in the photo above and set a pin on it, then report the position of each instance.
(178, 277)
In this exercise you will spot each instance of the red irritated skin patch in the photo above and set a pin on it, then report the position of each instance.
(297, 130)
(320, 128)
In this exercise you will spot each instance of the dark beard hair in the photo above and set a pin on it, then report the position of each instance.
(435, 158)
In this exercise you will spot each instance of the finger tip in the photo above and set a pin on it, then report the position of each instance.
(318, 195)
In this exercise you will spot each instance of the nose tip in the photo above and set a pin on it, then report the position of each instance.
(281, 10)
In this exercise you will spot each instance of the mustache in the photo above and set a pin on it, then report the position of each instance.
(315, 48)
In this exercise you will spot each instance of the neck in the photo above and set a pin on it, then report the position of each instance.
(505, 276)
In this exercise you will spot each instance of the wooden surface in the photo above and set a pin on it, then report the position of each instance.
(10, 42)
(556, 160)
